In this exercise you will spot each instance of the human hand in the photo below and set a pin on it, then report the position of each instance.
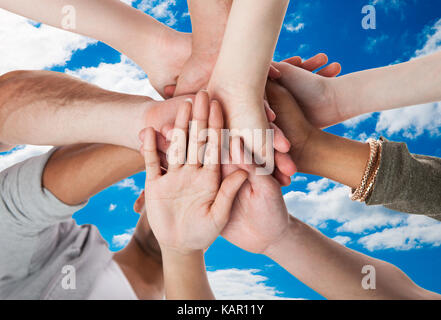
(245, 116)
(315, 92)
(291, 119)
(259, 216)
(196, 73)
(169, 54)
(188, 207)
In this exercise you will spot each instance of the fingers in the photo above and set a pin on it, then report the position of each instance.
(283, 180)
(281, 143)
(223, 203)
(199, 123)
(295, 61)
(270, 114)
(330, 71)
(315, 62)
(215, 125)
(274, 73)
(151, 157)
(176, 153)
(169, 91)
(285, 164)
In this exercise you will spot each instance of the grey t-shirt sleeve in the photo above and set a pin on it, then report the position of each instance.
(26, 209)
(407, 182)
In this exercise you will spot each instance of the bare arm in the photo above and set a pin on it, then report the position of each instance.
(209, 19)
(77, 172)
(406, 84)
(335, 271)
(185, 276)
(257, 26)
(404, 182)
(328, 101)
(260, 223)
(158, 49)
(50, 108)
(315, 151)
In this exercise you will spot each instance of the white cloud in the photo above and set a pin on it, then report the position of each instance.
(241, 284)
(121, 240)
(160, 9)
(25, 46)
(342, 239)
(129, 2)
(389, 4)
(412, 121)
(112, 207)
(416, 120)
(294, 23)
(294, 27)
(124, 76)
(378, 227)
(373, 42)
(130, 184)
(20, 154)
(297, 178)
(328, 201)
(417, 232)
(433, 41)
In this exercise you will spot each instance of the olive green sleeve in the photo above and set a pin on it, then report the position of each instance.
(407, 182)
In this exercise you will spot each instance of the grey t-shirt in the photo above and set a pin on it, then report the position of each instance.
(38, 238)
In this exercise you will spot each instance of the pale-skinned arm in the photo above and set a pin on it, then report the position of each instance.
(51, 108)
(158, 49)
(328, 101)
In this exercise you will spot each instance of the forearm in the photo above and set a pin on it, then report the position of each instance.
(335, 271)
(333, 157)
(185, 276)
(77, 172)
(209, 19)
(111, 21)
(406, 84)
(259, 30)
(50, 108)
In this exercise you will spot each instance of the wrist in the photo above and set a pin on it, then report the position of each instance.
(348, 97)
(277, 248)
(304, 154)
(333, 157)
(180, 255)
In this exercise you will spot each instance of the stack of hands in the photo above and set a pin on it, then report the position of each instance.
(220, 77)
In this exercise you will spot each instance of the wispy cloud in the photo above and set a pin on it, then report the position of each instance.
(20, 154)
(25, 45)
(121, 240)
(160, 9)
(378, 227)
(129, 183)
(373, 42)
(124, 76)
(416, 120)
(241, 284)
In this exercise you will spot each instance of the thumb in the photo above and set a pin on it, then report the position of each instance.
(226, 195)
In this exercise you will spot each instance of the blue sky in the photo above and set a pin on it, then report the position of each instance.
(405, 29)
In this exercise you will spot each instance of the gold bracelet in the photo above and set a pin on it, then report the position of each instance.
(357, 194)
(374, 174)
